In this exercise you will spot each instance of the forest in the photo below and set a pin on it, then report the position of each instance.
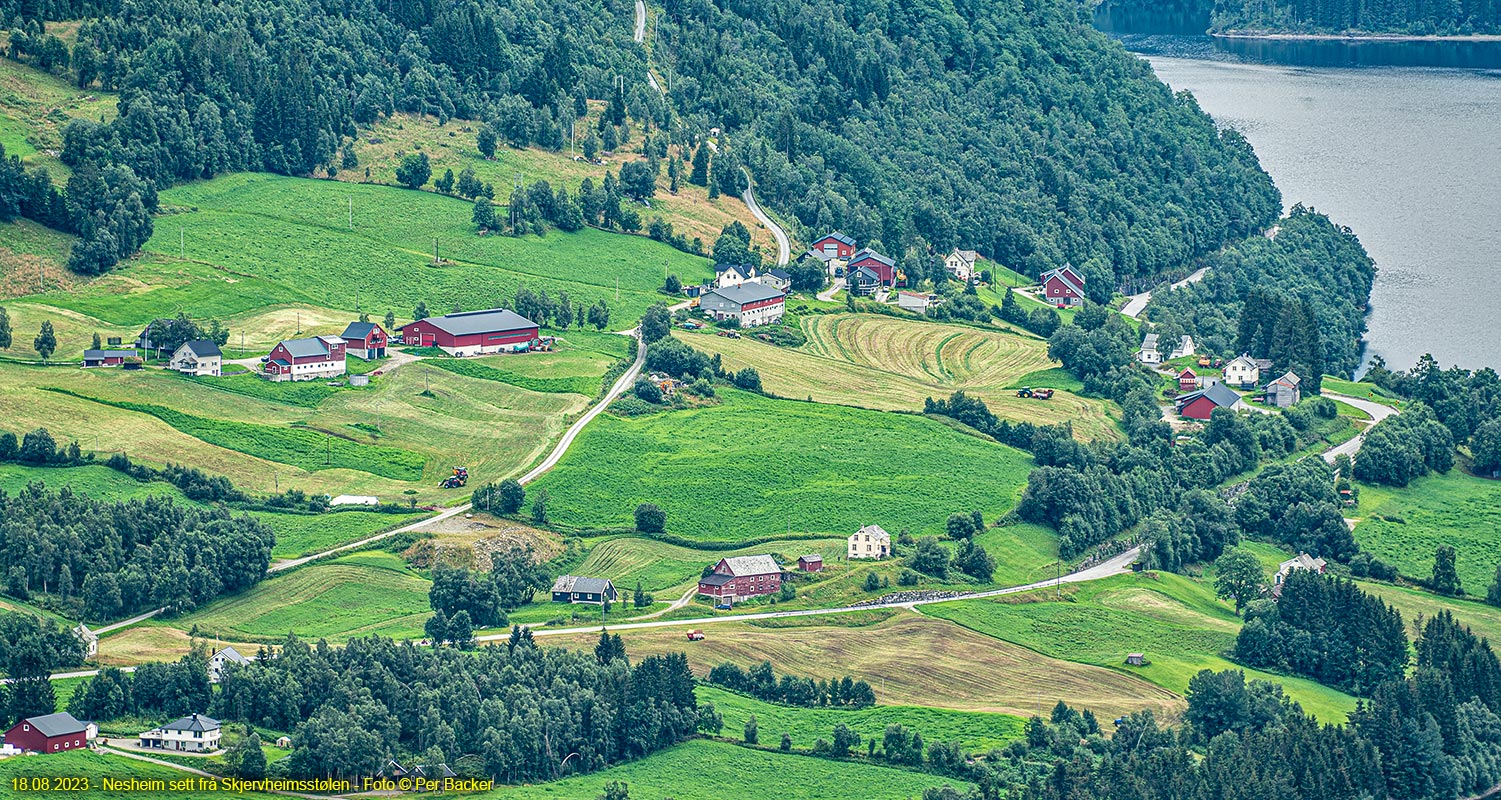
(1411, 17)
(1298, 298)
(108, 559)
(1016, 130)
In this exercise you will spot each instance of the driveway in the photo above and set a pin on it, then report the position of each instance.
(827, 295)
(1377, 411)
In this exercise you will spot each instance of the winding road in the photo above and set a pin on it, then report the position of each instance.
(784, 247)
(1377, 411)
(1137, 303)
(616, 389)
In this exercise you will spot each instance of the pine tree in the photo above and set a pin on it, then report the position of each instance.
(1445, 578)
(5, 338)
(484, 214)
(390, 321)
(97, 343)
(700, 174)
(45, 343)
(1493, 594)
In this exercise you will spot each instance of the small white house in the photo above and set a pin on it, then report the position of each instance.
(1149, 354)
(199, 357)
(918, 302)
(961, 264)
(870, 542)
(1185, 347)
(1242, 372)
(727, 275)
(221, 657)
(194, 733)
(89, 638)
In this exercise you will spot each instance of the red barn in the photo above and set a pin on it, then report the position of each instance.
(1187, 380)
(1200, 404)
(742, 577)
(106, 358)
(812, 563)
(306, 359)
(50, 733)
(835, 245)
(365, 339)
(1063, 287)
(883, 267)
(471, 333)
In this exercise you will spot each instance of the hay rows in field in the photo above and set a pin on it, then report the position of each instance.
(946, 354)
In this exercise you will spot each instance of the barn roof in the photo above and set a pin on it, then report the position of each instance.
(91, 354)
(1062, 274)
(309, 346)
(1219, 394)
(839, 237)
(359, 330)
(751, 565)
(60, 724)
(743, 293)
(492, 320)
(874, 256)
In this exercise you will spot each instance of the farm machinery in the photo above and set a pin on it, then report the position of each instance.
(459, 478)
(1034, 394)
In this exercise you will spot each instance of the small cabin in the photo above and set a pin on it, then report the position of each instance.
(1136, 660)
(810, 563)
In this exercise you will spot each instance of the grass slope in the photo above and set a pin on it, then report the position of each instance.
(1403, 527)
(347, 597)
(96, 481)
(893, 364)
(976, 731)
(302, 534)
(1177, 623)
(910, 660)
(96, 767)
(703, 770)
(755, 467)
(658, 565)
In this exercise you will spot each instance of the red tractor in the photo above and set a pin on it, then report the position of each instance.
(458, 479)
(695, 636)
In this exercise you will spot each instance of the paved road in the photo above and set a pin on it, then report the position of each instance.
(1377, 411)
(1138, 302)
(784, 247)
(623, 383)
(113, 626)
(827, 295)
(1115, 566)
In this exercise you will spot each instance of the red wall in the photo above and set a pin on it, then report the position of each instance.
(34, 740)
(1200, 408)
(413, 333)
(887, 274)
(841, 250)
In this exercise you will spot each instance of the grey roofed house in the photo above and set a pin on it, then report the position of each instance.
(60, 724)
(743, 293)
(574, 588)
(1219, 394)
(203, 348)
(358, 330)
(193, 722)
(310, 346)
(1149, 342)
(751, 565)
(146, 340)
(871, 254)
(821, 256)
(780, 274)
(488, 321)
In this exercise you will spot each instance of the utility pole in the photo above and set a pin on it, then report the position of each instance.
(617, 288)
(351, 212)
(182, 244)
(328, 461)
(435, 250)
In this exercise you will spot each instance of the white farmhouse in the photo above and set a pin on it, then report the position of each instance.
(870, 542)
(194, 733)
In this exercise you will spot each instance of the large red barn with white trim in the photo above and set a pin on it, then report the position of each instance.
(470, 333)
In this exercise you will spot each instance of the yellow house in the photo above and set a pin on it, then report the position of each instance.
(870, 542)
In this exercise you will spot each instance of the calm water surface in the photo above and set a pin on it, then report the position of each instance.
(1407, 156)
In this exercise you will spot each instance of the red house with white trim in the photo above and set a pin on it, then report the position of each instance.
(471, 333)
(50, 733)
(742, 577)
(1187, 380)
(882, 266)
(834, 245)
(365, 339)
(306, 359)
(1063, 287)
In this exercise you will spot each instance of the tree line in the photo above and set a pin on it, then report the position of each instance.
(761, 682)
(113, 558)
(1296, 296)
(1467, 402)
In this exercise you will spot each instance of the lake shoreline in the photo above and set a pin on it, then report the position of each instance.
(1354, 37)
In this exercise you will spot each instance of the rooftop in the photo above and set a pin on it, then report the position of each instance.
(751, 565)
(60, 724)
(359, 330)
(203, 348)
(468, 322)
(748, 293)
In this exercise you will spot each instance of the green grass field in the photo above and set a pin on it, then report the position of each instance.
(658, 565)
(893, 364)
(756, 467)
(356, 595)
(95, 768)
(303, 534)
(1362, 390)
(97, 481)
(1177, 623)
(976, 731)
(1417, 606)
(702, 770)
(909, 660)
(1403, 527)
(386, 438)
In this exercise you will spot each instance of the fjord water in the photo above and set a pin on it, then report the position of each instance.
(1400, 141)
